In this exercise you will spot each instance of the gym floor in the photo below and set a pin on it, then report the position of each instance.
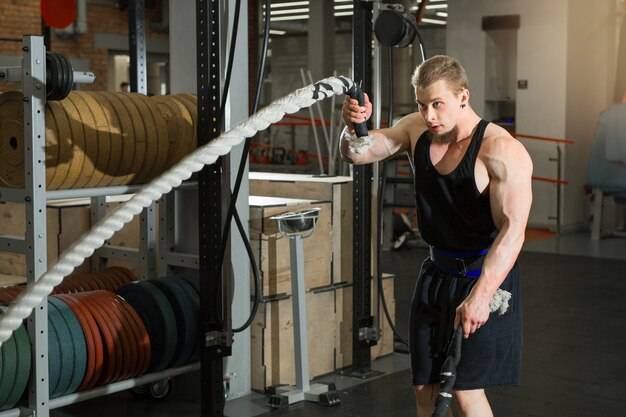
(574, 345)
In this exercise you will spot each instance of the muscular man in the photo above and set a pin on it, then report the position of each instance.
(473, 196)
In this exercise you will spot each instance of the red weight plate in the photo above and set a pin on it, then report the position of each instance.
(112, 350)
(114, 281)
(101, 282)
(141, 335)
(95, 349)
(126, 273)
(129, 346)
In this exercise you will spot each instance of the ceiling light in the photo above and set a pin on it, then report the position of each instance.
(347, 13)
(289, 4)
(343, 6)
(436, 6)
(277, 32)
(442, 14)
(290, 11)
(294, 17)
(434, 21)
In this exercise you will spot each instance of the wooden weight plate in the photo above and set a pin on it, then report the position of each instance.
(97, 139)
(53, 144)
(124, 338)
(136, 142)
(87, 145)
(141, 334)
(103, 163)
(122, 129)
(78, 341)
(145, 135)
(112, 350)
(92, 338)
(161, 136)
(11, 139)
(77, 154)
(144, 149)
(179, 127)
(64, 139)
(190, 101)
(113, 133)
(123, 125)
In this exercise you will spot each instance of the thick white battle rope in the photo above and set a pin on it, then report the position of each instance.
(172, 178)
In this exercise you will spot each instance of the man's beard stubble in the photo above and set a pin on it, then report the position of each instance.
(443, 138)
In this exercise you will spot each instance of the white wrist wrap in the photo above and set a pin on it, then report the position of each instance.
(356, 144)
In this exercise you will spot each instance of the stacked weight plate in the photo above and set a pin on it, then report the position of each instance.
(99, 139)
(15, 362)
(108, 279)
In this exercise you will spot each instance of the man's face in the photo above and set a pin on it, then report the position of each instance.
(440, 107)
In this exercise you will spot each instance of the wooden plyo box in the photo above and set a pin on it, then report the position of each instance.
(271, 335)
(66, 221)
(272, 250)
(343, 307)
(337, 190)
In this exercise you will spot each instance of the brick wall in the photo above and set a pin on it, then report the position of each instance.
(21, 17)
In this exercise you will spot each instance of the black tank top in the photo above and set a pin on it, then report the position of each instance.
(452, 214)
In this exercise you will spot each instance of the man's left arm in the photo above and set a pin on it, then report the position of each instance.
(510, 171)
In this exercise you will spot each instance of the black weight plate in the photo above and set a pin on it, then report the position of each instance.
(193, 295)
(158, 316)
(186, 323)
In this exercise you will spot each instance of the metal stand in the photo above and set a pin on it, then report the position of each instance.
(296, 227)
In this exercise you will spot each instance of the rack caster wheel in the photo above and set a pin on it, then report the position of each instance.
(159, 390)
(330, 398)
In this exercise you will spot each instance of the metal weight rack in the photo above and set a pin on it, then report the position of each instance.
(33, 243)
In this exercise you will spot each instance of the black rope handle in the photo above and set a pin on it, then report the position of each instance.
(357, 94)
(448, 374)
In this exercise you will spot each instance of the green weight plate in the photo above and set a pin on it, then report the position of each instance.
(158, 316)
(194, 280)
(77, 336)
(23, 368)
(184, 315)
(66, 350)
(9, 367)
(54, 357)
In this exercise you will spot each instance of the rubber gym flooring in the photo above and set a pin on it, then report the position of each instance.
(574, 346)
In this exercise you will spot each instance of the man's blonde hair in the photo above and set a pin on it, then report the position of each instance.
(440, 67)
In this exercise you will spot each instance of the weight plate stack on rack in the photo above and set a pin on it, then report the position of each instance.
(157, 315)
(180, 127)
(112, 358)
(93, 340)
(12, 141)
(60, 366)
(23, 364)
(77, 338)
(186, 322)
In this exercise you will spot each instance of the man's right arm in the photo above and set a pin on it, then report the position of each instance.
(384, 143)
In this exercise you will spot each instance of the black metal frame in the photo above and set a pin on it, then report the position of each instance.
(212, 311)
(137, 46)
(362, 196)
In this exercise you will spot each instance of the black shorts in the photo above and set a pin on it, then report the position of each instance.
(491, 356)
